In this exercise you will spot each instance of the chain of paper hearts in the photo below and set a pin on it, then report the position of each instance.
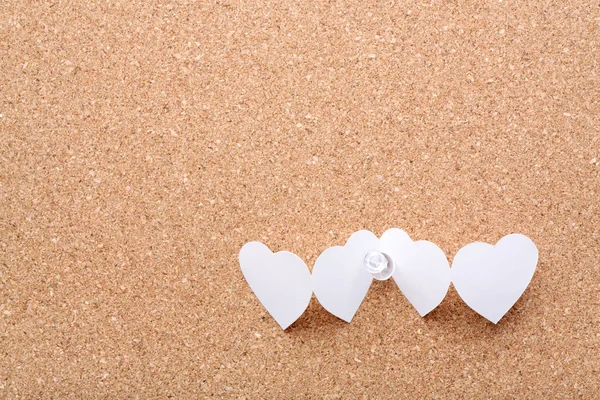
(489, 278)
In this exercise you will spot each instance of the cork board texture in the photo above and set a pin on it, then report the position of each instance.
(143, 143)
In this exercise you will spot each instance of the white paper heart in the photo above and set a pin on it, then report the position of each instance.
(422, 269)
(280, 281)
(490, 279)
(340, 281)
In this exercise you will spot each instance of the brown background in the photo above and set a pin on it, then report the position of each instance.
(143, 143)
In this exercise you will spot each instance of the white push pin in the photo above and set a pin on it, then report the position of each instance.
(380, 265)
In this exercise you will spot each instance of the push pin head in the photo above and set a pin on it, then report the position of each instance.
(380, 265)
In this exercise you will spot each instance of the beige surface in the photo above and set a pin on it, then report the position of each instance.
(141, 145)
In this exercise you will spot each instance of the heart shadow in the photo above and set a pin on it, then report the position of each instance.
(468, 323)
(315, 317)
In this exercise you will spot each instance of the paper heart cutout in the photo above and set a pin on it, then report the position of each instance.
(422, 269)
(490, 279)
(280, 281)
(340, 281)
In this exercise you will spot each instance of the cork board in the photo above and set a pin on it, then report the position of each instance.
(143, 143)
